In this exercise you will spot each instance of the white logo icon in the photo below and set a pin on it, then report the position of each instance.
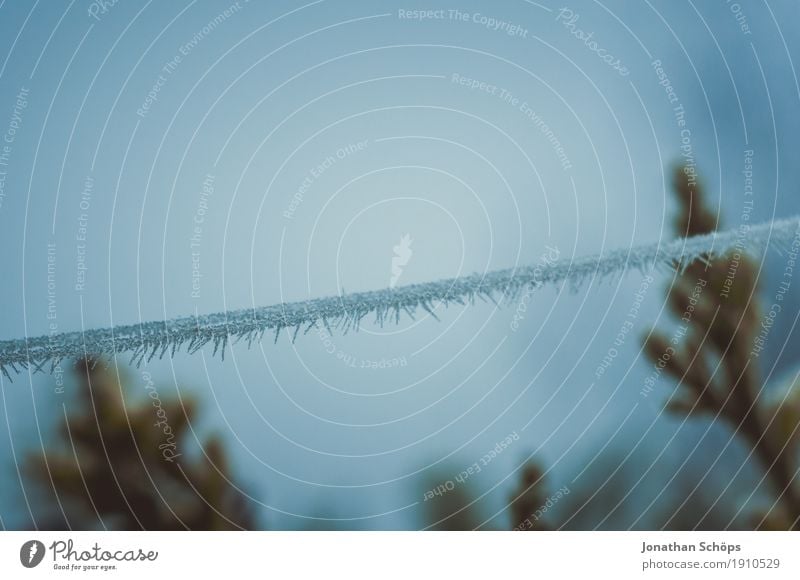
(402, 254)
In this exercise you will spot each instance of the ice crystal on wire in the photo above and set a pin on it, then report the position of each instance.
(146, 340)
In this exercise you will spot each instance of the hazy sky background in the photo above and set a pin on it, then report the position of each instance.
(255, 105)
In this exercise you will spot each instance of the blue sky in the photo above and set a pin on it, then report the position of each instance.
(323, 133)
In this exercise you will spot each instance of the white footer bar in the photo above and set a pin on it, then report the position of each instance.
(415, 555)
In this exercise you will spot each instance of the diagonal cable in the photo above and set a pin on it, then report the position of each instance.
(146, 340)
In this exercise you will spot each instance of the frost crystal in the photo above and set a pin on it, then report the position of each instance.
(155, 339)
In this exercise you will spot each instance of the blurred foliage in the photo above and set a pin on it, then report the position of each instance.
(718, 323)
(116, 471)
(121, 465)
(716, 303)
(454, 509)
(529, 501)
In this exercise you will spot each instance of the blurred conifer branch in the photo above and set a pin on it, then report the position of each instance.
(710, 355)
(528, 501)
(114, 470)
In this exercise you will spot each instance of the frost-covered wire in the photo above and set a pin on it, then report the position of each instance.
(146, 340)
